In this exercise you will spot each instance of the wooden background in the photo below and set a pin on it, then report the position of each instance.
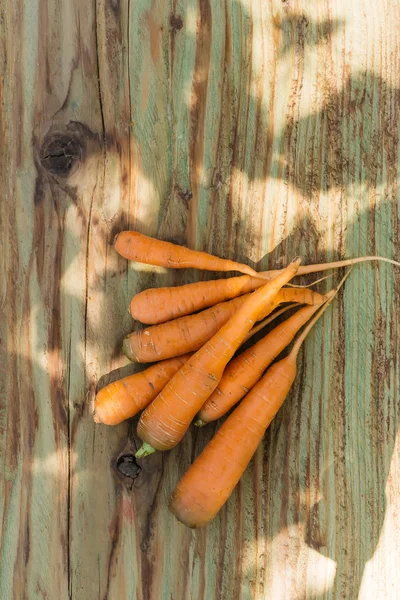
(254, 130)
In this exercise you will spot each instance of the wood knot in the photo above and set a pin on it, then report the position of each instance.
(61, 153)
(115, 7)
(127, 466)
(175, 22)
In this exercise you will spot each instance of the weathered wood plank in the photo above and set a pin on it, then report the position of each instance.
(253, 130)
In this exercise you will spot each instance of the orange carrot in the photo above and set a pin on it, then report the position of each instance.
(142, 248)
(158, 305)
(210, 480)
(126, 397)
(164, 422)
(243, 372)
(189, 333)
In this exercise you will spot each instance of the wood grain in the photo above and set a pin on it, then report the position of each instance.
(253, 130)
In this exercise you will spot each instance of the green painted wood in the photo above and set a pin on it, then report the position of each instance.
(254, 130)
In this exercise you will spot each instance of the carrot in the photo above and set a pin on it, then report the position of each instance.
(124, 398)
(164, 422)
(189, 333)
(243, 372)
(210, 480)
(158, 305)
(142, 248)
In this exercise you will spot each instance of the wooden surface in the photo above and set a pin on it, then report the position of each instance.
(254, 130)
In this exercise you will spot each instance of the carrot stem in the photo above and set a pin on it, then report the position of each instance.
(306, 269)
(293, 285)
(344, 263)
(145, 450)
(331, 295)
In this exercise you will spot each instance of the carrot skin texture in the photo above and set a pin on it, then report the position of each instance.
(157, 305)
(186, 334)
(189, 333)
(126, 397)
(165, 421)
(243, 372)
(210, 480)
(133, 245)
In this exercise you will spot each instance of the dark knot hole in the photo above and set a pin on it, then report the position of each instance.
(61, 154)
(127, 466)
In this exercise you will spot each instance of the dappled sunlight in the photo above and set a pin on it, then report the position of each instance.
(191, 18)
(279, 218)
(55, 464)
(366, 31)
(320, 572)
(286, 175)
(388, 547)
(387, 552)
(287, 208)
(146, 202)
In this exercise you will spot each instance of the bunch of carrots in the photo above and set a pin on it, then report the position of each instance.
(191, 336)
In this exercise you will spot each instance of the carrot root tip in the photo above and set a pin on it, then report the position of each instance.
(145, 450)
(126, 349)
(199, 423)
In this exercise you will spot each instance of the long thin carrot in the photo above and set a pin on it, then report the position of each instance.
(157, 305)
(189, 333)
(243, 372)
(210, 480)
(164, 422)
(142, 248)
(126, 397)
